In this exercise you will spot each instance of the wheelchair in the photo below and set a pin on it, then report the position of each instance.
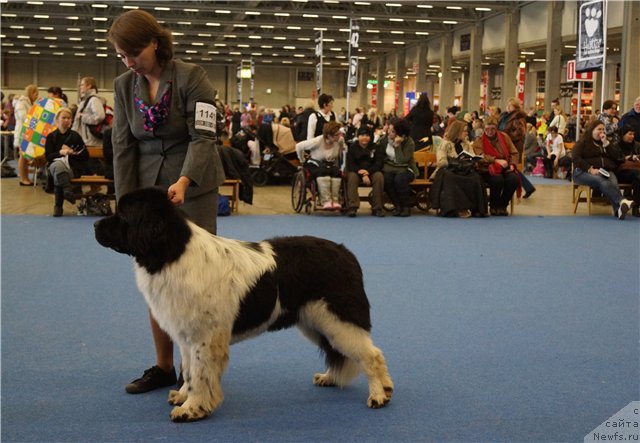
(304, 193)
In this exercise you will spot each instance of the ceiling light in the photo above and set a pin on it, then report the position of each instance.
(197, 44)
(378, 42)
(457, 8)
(266, 46)
(398, 43)
(363, 3)
(67, 4)
(212, 24)
(396, 19)
(449, 22)
(130, 7)
(162, 8)
(204, 35)
(24, 37)
(220, 44)
(290, 47)
(294, 27)
(425, 6)
(281, 14)
(51, 37)
(483, 9)
(304, 39)
(99, 5)
(40, 16)
(72, 17)
(310, 15)
(397, 32)
(102, 55)
(539, 59)
(75, 39)
(191, 51)
(222, 11)
(16, 27)
(184, 23)
(527, 53)
(100, 19)
(252, 13)
(255, 37)
(393, 5)
(367, 18)
(319, 29)
(266, 26)
(373, 31)
(422, 33)
(239, 25)
(230, 36)
(243, 45)
(100, 30)
(423, 20)
(277, 37)
(80, 54)
(339, 17)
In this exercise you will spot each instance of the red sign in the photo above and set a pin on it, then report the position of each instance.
(374, 96)
(573, 76)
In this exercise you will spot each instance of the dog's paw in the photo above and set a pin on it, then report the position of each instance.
(388, 392)
(176, 398)
(323, 380)
(378, 401)
(185, 414)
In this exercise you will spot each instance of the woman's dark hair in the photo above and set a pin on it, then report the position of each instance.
(590, 127)
(55, 90)
(423, 102)
(135, 30)
(401, 126)
(324, 99)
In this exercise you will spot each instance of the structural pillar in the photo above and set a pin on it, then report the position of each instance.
(553, 58)
(421, 75)
(511, 60)
(382, 70)
(363, 92)
(446, 81)
(472, 99)
(630, 62)
(400, 72)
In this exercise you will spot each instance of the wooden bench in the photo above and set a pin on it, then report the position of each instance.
(93, 180)
(234, 196)
(578, 190)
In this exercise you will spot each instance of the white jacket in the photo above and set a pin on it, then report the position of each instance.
(21, 106)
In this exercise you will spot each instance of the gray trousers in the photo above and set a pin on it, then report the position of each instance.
(377, 185)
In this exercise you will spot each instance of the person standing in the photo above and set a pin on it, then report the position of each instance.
(90, 112)
(421, 119)
(318, 119)
(21, 106)
(164, 134)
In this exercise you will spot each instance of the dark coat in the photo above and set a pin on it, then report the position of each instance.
(421, 120)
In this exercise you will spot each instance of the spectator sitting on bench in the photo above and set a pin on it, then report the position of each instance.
(594, 162)
(67, 157)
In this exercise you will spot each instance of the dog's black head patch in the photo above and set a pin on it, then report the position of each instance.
(146, 226)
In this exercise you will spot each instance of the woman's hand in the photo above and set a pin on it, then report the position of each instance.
(502, 162)
(66, 150)
(176, 191)
(593, 171)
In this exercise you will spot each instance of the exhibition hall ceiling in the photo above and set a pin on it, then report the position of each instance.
(269, 32)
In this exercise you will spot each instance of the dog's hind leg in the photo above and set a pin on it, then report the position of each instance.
(340, 370)
(207, 362)
(355, 344)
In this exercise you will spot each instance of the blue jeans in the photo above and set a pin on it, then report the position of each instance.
(608, 186)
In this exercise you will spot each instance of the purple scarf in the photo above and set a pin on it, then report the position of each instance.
(153, 116)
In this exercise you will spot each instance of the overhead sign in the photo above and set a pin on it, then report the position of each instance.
(352, 80)
(592, 30)
(319, 62)
(573, 76)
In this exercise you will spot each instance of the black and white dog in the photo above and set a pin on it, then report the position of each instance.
(208, 292)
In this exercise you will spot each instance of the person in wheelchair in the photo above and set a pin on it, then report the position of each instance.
(364, 168)
(324, 163)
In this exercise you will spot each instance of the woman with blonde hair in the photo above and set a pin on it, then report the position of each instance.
(458, 189)
(21, 107)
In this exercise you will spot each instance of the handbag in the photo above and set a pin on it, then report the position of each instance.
(460, 166)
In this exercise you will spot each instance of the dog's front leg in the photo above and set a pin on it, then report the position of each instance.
(178, 398)
(207, 361)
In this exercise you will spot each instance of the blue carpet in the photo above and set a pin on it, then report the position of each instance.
(498, 329)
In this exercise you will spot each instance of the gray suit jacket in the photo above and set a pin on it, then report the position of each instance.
(142, 158)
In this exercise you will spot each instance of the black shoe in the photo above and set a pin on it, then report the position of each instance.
(57, 211)
(153, 378)
(528, 194)
(377, 213)
(352, 212)
(68, 196)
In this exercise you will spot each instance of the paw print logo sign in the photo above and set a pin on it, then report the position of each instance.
(591, 35)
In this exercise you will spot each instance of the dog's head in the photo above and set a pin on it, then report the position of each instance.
(146, 226)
